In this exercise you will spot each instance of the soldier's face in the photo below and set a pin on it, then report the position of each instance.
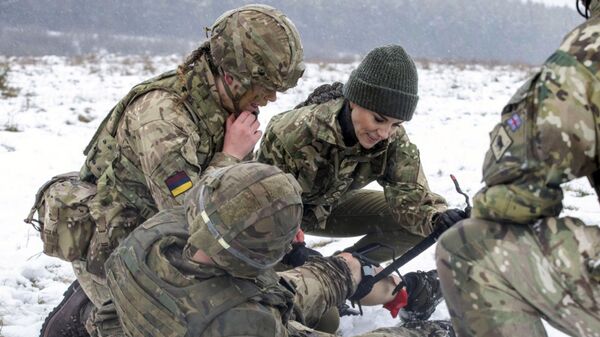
(371, 127)
(251, 100)
(255, 98)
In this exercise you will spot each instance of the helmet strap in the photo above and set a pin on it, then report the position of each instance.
(585, 12)
(235, 98)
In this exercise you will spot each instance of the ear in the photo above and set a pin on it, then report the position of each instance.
(201, 257)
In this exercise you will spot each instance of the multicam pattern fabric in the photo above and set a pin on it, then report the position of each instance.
(158, 291)
(500, 280)
(158, 140)
(64, 219)
(549, 130)
(148, 137)
(244, 217)
(307, 142)
(515, 261)
(262, 58)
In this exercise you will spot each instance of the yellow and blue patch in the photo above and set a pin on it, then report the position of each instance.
(178, 183)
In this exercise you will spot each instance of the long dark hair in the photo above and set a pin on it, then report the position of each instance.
(187, 65)
(323, 93)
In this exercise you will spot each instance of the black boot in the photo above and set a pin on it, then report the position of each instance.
(431, 328)
(66, 319)
(424, 294)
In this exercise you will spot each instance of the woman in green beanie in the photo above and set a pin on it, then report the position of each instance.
(344, 137)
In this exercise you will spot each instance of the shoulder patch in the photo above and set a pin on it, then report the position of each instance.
(178, 183)
(501, 141)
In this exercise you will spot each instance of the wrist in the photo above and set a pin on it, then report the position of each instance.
(233, 153)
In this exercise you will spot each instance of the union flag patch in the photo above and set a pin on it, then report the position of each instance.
(514, 122)
(178, 183)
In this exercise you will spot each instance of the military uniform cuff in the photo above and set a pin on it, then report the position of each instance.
(222, 159)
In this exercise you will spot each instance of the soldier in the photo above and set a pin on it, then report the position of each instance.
(159, 139)
(340, 140)
(516, 261)
(205, 269)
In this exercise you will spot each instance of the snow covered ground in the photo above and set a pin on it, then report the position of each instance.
(62, 100)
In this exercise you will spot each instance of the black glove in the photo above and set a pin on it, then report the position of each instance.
(345, 310)
(299, 254)
(448, 218)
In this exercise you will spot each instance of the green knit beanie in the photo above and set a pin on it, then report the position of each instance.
(385, 82)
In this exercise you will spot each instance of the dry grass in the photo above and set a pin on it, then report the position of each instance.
(6, 90)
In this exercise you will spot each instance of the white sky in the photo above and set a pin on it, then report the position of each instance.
(569, 3)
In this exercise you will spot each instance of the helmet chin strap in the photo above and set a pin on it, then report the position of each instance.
(585, 12)
(235, 99)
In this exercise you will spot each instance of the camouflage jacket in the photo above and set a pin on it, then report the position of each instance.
(548, 134)
(151, 148)
(159, 291)
(308, 143)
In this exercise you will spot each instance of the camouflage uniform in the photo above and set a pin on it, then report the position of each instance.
(308, 143)
(515, 261)
(159, 291)
(161, 137)
(153, 146)
(149, 147)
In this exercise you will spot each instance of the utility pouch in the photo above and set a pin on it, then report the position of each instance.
(64, 220)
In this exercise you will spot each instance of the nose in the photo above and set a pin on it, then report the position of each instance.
(384, 132)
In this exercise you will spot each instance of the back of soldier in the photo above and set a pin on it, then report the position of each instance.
(516, 261)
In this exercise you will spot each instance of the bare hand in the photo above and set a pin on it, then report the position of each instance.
(241, 134)
(299, 236)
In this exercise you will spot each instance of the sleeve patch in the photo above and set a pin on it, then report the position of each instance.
(514, 122)
(178, 183)
(500, 143)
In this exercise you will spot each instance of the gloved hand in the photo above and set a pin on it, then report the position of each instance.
(345, 310)
(299, 254)
(448, 218)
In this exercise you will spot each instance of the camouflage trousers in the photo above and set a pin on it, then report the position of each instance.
(501, 280)
(410, 329)
(321, 286)
(366, 212)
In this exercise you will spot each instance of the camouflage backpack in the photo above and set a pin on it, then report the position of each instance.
(64, 220)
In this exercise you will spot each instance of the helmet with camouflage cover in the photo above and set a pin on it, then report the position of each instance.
(244, 217)
(258, 44)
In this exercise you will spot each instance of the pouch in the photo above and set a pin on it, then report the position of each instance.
(64, 221)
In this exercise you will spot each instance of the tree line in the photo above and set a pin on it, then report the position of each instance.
(504, 31)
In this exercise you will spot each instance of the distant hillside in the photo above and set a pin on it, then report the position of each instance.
(505, 31)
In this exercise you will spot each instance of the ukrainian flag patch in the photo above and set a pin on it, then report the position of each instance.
(178, 183)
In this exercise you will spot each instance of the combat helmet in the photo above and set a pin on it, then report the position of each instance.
(257, 44)
(244, 217)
